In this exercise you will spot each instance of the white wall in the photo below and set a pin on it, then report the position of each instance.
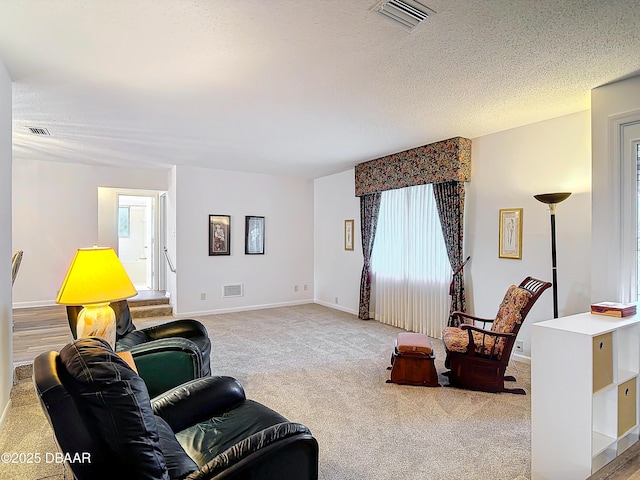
(6, 343)
(609, 104)
(55, 208)
(269, 279)
(336, 270)
(508, 168)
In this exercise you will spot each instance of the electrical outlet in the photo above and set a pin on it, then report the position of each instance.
(519, 346)
(336, 300)
(305, 287)
(295, 288)
(203, 296)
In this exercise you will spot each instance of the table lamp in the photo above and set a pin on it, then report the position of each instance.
(95, 278)
(553, 199)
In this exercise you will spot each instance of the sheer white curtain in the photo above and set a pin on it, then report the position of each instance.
(410, 268)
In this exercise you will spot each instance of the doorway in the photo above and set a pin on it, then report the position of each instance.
(129, 222)
(136, 239)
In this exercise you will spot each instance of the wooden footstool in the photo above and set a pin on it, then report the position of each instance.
(412, 361)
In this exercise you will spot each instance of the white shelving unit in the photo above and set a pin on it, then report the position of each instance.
(584, 403)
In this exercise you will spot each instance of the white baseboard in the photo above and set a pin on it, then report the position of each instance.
(518, 357)
(336, 307)
(241, 309)
(52, 303)
(41, 303)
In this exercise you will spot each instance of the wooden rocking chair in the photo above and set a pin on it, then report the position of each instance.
(478, 358)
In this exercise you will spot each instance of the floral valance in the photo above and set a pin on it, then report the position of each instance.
(445, 161)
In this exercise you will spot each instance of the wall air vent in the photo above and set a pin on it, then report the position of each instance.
(38, 131)
(232, 290)
(408, 13)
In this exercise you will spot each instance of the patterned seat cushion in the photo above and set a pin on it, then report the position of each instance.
(509, 315)
(456, 340)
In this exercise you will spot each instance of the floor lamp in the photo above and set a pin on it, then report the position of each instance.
(553, 199)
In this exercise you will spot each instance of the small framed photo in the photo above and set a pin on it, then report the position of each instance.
(348, 234)
(510, 233)
(219, 235)
(253, 235)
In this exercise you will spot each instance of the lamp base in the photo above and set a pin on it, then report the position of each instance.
(97, 320)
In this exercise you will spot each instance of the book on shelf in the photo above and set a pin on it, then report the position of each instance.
(614, 309)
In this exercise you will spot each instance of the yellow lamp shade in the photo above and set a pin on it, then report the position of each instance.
(95, 276)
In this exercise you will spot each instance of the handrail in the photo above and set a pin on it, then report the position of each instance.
(456, 273)
(166, 254)
(16, 259)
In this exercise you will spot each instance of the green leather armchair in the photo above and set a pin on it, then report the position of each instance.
(165, 355)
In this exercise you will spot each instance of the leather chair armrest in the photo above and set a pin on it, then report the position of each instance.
(167, 363)
(170, 343)
(197, 400)
(241, 458)
(130, 340)
(186, 328)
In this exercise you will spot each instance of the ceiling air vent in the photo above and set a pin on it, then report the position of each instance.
(38, 131)
(408, 13)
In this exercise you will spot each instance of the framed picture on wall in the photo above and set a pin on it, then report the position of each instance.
(510, 233)
(219, 235)
(253, 235)
(348, 234)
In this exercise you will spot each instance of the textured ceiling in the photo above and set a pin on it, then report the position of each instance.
(296, 87)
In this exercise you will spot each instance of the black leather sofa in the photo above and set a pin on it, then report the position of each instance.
(100, 410)
(166, 355)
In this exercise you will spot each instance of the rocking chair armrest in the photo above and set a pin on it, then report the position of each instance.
(486, 332)
(464, 316)
(471, 346)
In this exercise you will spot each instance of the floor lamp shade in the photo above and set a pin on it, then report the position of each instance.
(95, 278)
(552, 199)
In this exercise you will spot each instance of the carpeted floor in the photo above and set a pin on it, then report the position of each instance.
(27, 432)
(327, 370)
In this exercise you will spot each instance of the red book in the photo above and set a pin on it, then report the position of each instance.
(614, 309)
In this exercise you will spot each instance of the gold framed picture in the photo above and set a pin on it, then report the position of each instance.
(510, 233)
(219, 235)
(348, 234)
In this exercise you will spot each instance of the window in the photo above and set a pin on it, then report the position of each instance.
(124, 227)
(637, 153)
(629, 212)
(410, 267)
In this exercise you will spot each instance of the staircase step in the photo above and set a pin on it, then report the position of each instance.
(22, 373)
(133, 302)
(155, 310)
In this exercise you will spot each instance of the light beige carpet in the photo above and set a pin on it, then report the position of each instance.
(327, 369)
